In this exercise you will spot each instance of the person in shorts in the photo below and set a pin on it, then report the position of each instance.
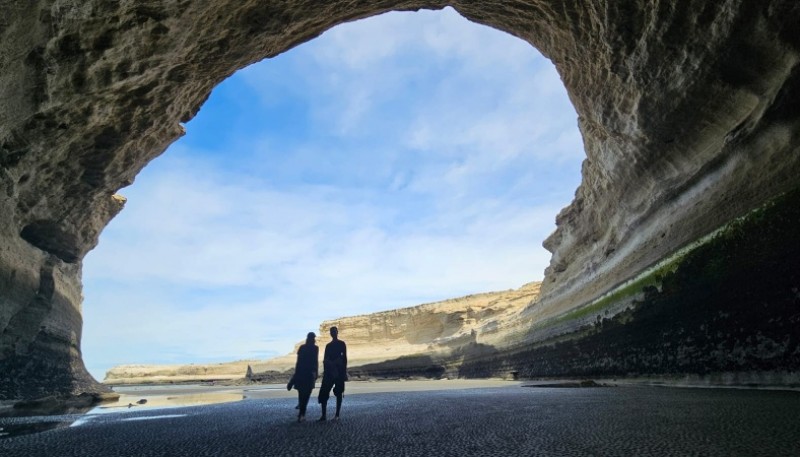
(334, 364)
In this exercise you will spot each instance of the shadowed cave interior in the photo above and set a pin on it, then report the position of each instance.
(689, 119)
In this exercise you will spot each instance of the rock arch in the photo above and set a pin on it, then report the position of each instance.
(688, 111)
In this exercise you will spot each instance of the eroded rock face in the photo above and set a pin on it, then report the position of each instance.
(436, 333)
(689, 112)
(409, 341)
(142, 374)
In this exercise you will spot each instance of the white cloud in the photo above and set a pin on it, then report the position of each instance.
(232, 233)
(431, 161)
(309, 251)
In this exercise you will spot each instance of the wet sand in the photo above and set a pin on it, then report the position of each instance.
(195, 394)
(451, 421)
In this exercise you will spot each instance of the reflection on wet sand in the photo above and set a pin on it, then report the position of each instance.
(22, 421)
(26, 428)
(128, 401)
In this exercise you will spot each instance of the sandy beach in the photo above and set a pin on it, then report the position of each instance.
(199, 394)
(428, 418)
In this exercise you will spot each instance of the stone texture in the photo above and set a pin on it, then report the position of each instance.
(429, 331)
(725, 312)
(449, 423)
(423, 336)
(689, 112)
(142, 374)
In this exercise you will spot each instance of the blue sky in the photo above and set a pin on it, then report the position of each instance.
(393, 161)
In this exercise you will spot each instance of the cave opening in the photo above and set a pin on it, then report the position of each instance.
(393, 161)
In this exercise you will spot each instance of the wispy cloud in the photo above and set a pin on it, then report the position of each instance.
(403, 159)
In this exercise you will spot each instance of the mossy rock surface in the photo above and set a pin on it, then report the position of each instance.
(730, 305)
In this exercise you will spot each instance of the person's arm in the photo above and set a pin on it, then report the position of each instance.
(330, 354)
(344, 354)
(316, 362)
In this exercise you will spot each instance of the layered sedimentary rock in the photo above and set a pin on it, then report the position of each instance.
(420, 337)
(689, 113)
(723, 310)
(136, 374)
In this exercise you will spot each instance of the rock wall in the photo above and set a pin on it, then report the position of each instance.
(162, 374)
(431, 332)
(434, 330)
(41, 322)
(689, 113)
(725, 311)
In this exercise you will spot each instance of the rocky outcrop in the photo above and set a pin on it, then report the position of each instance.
(435, 329)
(725, 310)
(689, 113)
(438, 330)
(433, 332)
(146, 374)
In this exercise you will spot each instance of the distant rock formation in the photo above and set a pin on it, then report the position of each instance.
(134, 374)
(434, 330)
(435, 333)
(688, 110)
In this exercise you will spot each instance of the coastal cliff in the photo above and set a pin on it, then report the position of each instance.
(431, 331)
(690, 119)
(163, 374)
(417, 340)
(722, 311)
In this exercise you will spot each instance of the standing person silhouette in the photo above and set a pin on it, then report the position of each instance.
(305, 373)
(334, 364)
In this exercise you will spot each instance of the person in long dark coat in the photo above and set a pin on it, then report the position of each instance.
(305, 373)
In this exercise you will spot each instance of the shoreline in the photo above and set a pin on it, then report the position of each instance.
(712, 381)
(210, 391)
(149, 396)
(492, 421)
